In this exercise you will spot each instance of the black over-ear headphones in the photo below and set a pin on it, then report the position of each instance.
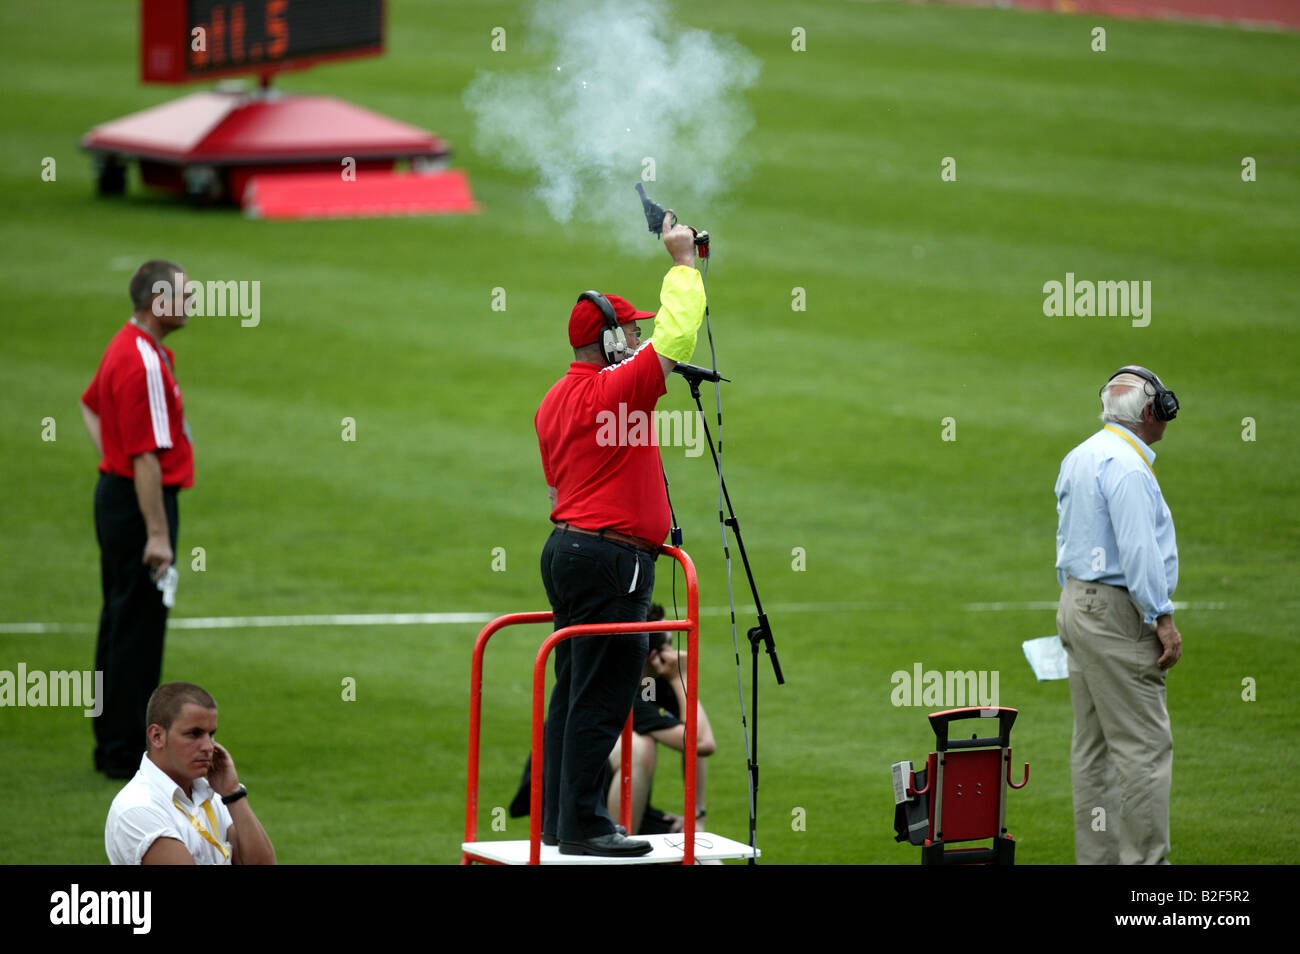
(613, 342)
(1164, 405)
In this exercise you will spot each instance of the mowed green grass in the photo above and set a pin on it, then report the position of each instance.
(924, 302)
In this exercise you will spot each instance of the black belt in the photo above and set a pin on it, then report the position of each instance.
(612, 535)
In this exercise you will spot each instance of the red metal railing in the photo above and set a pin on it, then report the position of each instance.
(690, 626)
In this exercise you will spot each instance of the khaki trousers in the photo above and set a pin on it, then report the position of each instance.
(1121, 755)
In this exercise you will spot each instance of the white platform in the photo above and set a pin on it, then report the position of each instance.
(667, 849)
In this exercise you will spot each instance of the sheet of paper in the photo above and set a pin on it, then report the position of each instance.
(902, 774)
(1047, 658)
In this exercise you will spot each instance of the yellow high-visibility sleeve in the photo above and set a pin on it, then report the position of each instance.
(681, 309)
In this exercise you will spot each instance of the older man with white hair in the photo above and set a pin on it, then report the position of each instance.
(1117, 563)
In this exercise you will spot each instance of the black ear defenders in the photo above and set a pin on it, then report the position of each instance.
(613, 342)
(1164, 404)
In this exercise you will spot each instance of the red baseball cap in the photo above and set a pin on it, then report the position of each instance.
(586, 321)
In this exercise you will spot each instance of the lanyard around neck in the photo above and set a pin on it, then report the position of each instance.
(203, 832)
(1138, 450)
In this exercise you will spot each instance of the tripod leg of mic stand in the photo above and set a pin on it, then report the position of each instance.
(753, 749)
(762, 633)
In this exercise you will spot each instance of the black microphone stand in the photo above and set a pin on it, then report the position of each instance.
(762, 633)
(656, 220)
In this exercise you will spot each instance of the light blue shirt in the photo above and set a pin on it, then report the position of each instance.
(1114, 524)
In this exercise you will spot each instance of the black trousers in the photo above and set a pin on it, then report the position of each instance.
(131, 624)
(590, 580)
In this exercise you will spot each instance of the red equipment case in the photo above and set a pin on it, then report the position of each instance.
(965, 785)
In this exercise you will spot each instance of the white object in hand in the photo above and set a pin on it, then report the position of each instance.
(167, 586)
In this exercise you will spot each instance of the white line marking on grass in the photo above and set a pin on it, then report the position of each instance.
(439, 619)
(346, 619)
(1000, 607)
(1052, 604)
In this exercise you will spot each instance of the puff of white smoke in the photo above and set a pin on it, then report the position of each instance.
(625, 91)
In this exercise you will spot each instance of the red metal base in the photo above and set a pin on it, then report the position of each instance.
(209, 144)
(690, 626)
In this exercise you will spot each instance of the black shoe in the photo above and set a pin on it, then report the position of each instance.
(655, 822)
(553, 841)
(612, 845)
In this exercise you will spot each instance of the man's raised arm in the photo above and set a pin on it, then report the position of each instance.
(681, 301)
(249, 843)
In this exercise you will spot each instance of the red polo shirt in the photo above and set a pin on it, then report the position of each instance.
(138, 401)
(596, 432)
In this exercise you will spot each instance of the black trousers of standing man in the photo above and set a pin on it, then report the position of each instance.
(131, 624)
(590, 580)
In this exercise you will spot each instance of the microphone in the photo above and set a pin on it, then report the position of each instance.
(693, 372)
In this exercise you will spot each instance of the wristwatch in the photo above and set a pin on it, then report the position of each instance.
(235, 796)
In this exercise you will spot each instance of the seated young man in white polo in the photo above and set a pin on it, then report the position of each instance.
(185, 806)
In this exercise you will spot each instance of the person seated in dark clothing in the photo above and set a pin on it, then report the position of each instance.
(658, 719)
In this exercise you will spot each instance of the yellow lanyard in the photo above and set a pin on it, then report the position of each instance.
(203, 832)
(1115, 430)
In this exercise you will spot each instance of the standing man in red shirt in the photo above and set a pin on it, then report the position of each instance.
(610, 510)
(133, 412)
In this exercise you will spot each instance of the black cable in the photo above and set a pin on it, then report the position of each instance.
(726, 552)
